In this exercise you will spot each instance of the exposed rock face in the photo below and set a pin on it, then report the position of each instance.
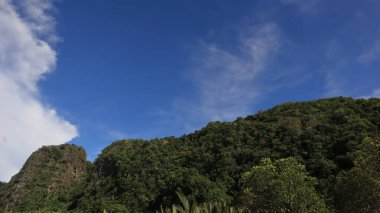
(47, 179)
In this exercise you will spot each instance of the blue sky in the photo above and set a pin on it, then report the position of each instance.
(146, 69)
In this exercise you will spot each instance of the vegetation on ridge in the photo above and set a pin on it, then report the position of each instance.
(49, 180)
(328, 147)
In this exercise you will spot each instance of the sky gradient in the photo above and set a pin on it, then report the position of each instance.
(95, 72)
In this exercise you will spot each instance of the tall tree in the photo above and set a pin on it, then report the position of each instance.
(359, 189)
(280, 186)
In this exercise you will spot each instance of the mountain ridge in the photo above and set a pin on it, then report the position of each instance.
(140, 176)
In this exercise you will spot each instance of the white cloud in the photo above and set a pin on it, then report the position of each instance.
(370, 55)
(375, 94)
(116, 135)
(225, 80)
(25, 123)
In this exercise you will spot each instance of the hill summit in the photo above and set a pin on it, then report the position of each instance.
(47, 179)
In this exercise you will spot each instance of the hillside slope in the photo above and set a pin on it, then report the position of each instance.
(47, 179)
(140, 176)
(323, 135)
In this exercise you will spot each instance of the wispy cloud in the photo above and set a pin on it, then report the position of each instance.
(303, 5)
(225, 79)
(352, 73)
(116, 135)
(25, 122)
(371, 54)
(334, 82)
(375, 94)
(353, 53)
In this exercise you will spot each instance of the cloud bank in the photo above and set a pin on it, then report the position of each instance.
(25, 57)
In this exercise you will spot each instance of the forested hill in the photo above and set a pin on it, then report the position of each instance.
(333, 145)
(48, 177)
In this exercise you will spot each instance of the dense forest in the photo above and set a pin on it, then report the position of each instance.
(317, 156)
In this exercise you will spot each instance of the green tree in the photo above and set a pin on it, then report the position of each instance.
(280, 186)
(359, 189)
(2, 189)
(2, 185)
(190, 205)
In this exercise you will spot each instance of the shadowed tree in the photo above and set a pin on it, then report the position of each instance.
(359, 189)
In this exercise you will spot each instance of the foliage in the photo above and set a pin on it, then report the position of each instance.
(190, 205)
(49, 180)
(141, 176)
(207, 164)
(2, 185)
(281, 186)
(2, 191)
(359, 189)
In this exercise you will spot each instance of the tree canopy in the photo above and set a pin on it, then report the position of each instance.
(280, 186)
(358, 190)
(327, 141)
